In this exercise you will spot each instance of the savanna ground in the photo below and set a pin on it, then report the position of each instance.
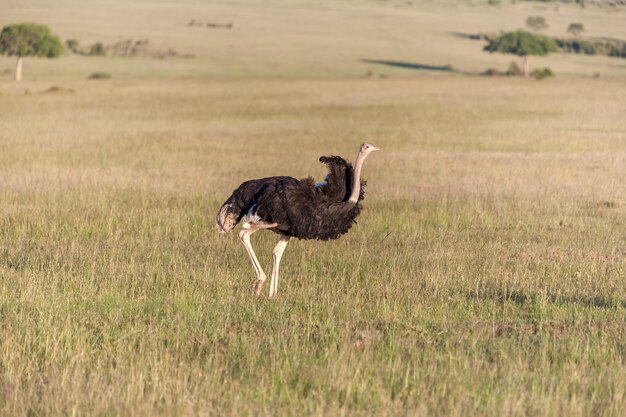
(486, 275)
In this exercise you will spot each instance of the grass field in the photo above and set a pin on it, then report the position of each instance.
(485, 277)
(306, 38)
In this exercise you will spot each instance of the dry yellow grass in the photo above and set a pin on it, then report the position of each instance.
(485, 277)
(297, 38)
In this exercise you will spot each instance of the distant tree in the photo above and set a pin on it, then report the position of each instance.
(28, 39)
(522, 43)
(536, 23)
(71, 44)
(575, 29)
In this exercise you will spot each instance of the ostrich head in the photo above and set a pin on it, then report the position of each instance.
(366, 148)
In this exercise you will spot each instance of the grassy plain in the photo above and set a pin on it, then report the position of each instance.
(305, 38)
(486, 275)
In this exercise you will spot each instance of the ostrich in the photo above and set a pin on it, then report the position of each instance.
(296, 208)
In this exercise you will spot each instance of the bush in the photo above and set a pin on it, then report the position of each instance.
(575, 29)
(72, 44)
(491, 72)
(96, 49)
(617, 51)
(99, 76)
(541, 73)
(514, 70)
(614, 48)
(576, 46)
(55, 89)
(536, 22)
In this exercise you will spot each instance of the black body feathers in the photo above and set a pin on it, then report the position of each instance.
(300, 208)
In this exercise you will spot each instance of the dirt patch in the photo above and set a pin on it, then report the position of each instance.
(55, 89)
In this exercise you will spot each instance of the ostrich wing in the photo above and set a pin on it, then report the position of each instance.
(338, 182)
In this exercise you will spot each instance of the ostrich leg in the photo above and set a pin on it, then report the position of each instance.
(277, 254)
(244, 236)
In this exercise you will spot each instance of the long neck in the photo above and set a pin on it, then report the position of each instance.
(356, 185)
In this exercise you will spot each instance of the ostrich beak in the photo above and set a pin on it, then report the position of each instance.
(374, 148)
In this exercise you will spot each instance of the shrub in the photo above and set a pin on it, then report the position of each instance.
(72, 44)
(575, 29)
(55, 89)
(96, 49)
(583, 47)
(514, 70)
(614, 48)
(99, 76)
(491, 72)
(536, 22)
(541, 73)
